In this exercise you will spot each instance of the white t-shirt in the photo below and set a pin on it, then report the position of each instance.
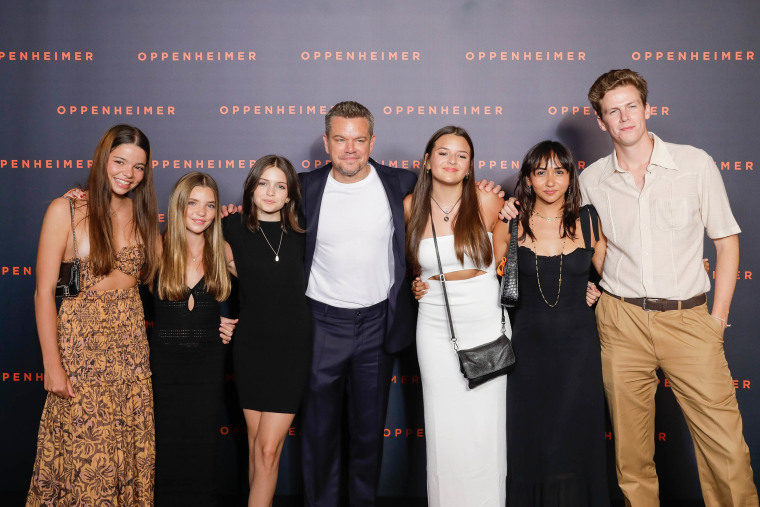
(353, 258)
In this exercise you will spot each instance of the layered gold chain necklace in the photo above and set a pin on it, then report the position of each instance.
(561, 257)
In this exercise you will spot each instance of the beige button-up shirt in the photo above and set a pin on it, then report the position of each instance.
(655, 236)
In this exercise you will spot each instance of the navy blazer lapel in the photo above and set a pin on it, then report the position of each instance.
(393, 189)
(314, 189)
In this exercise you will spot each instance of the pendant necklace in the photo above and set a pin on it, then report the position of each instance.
(448, 210)
(276, 253)
(195, 256)
(113, 213)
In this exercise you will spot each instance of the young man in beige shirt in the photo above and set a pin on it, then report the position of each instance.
(656, 200)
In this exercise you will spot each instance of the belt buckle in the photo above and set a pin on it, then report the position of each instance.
(653, 300)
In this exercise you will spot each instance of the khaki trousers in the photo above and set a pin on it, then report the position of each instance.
(688, 346)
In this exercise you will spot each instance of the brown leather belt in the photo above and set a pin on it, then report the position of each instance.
(662, 305)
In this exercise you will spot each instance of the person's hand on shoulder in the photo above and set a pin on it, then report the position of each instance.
(509, 211)
(489, 186)
(230, 209)
(75, 193)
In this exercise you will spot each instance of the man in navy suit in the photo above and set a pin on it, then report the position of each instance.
(361, 304)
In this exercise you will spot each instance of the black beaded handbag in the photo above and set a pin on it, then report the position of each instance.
(509, 292)
(484, 362)
(68, 277)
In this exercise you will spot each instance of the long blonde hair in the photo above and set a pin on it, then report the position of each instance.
(172, 284)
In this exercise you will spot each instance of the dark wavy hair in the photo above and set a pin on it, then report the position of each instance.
(289, 212)
(536, 156)
(470, 235)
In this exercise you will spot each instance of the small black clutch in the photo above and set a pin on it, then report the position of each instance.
(68, 277)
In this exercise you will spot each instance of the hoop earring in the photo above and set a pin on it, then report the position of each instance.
(530, 190)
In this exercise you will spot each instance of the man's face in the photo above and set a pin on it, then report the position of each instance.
(349, 145)
(624, 116)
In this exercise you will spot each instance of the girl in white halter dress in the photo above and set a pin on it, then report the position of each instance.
(465, 429)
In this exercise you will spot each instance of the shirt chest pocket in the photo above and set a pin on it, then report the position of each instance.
(676, 202)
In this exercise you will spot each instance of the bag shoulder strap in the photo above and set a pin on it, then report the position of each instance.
(445, 294)
(73, 228)
(443, 283)
(513, 238)
(588, 216)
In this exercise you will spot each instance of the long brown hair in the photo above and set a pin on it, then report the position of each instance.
(145, 207)
(289, 212)
(172, 284)
(544, 152)
(470, 235)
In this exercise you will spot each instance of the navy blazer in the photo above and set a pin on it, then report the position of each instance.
(398, 183)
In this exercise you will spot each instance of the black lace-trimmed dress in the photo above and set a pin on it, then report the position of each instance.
(555, 396)
(273, 338)
(187, 360)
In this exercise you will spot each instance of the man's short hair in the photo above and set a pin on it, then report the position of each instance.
(349, 109)
(615, 79)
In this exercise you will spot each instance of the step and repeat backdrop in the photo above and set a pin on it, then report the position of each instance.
(215, 85)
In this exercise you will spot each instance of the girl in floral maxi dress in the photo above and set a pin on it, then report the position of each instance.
(96, 441)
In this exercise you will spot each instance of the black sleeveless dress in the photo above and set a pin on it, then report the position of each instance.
(187, 360)
(273, 339)
(555, 396)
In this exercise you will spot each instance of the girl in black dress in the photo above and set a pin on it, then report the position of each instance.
(272, 349)
(555, 396)
(186, 353)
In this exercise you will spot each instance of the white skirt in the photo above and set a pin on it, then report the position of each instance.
(465, 429)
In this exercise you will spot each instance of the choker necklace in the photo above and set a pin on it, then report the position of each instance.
(277, 253)
(538, 279)
(548, 219)
(448, 210)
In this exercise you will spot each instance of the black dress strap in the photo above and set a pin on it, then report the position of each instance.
(588, 215)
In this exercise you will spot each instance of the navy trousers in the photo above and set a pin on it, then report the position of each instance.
(348, 358)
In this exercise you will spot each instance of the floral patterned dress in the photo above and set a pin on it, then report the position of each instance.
(98, 448)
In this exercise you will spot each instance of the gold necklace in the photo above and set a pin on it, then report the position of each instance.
(277, 253)
(114, 213)
(448, 210)
(548, 219)
(538, 278)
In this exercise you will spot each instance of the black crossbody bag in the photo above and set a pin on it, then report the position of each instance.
(484, 362)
